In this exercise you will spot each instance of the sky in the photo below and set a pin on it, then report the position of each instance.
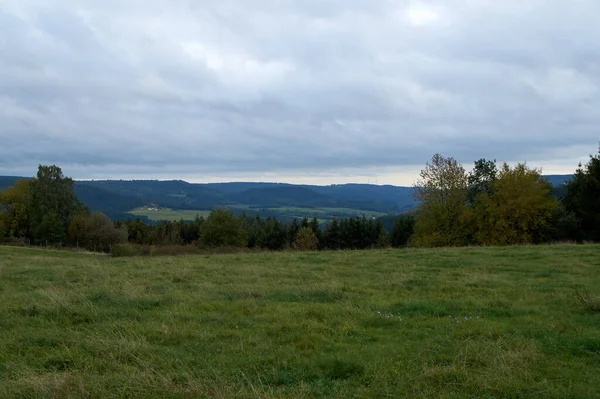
(311, 91)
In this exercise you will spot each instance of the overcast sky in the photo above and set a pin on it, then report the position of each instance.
(317, 91)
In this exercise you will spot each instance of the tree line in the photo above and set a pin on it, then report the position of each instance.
(504, 205)
(45, 211)
(491, 205)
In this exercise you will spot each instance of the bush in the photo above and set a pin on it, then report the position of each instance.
(14, 242)
(125, 250)
(306, 240)
(174, 250)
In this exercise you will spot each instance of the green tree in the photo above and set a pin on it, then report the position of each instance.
(52, 203)
(293, 230)
(519, 209)
(316, 228)
(582, 199)
(442, 193)
(332, 236)
(306, 240)
(96, 232)
(382, 238)
(404, 227)
(273, 236)
(222, 229)
(482, 178)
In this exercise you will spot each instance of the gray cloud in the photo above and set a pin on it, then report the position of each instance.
(203, 89)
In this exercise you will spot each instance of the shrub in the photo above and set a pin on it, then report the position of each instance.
(125, 250)
(306, 240)
(174, 250)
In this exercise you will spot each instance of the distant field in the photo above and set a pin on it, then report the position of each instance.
(327, 211)
(169, 214)
(322, 214)
(521, 322)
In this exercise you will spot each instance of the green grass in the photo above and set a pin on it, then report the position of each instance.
(520, 322)
(169, 214)
(325, 213)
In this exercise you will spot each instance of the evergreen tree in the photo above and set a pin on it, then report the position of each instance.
(273, 236)
(382, 238)
(293, 230)
(332, 237)
(404, 227)
(582, 199)
(316, 228)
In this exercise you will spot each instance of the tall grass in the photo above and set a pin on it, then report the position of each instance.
(448, 323)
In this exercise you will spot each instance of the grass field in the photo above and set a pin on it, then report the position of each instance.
(521, 322)
(169, 214)
(323, 214)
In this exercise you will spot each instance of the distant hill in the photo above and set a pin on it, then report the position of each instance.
(284, 201)
(8, 181)
(558, 180)
(176, 194)
(114, 205)
(364, 196)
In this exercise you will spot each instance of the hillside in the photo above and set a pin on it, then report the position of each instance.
(266, 198)
(117, 198)
(445, 323)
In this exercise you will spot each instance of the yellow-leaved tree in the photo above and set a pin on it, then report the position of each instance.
(14, 210)
(442, 215)
(517, 210)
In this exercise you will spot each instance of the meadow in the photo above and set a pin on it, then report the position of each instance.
(322, 214)
(446, 323)
(172, 215)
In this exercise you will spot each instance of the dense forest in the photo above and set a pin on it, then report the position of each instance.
(491, 205)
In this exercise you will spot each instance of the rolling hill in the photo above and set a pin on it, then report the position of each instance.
(117, 198)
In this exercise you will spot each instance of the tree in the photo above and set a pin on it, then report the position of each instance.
(95, 232)
(482, 178)
(254, 229)
(404, 226)
(14, 210)
(222, 229)
(519, 209)
(582, 199)
(442, 192)
(316, 228)
(332, 237)
(381, 237)
(273, 236)
(306, 240)
(52, 203)
(293, 230)
(138, 232)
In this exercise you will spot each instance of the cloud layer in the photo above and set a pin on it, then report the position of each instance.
(325, 90)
